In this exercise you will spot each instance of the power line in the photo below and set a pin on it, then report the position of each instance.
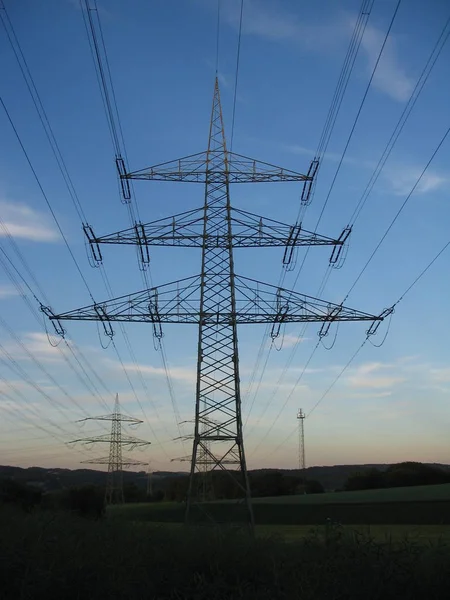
(324, 395)
(355, 122)
(41, 323)
(111, 107)
(29, 81)
(355, 354)
(420, 83)
(388, 230)
(40, 366)
(340, 90)
(422, 273)
(300, 377)
(434, 55)
(238, 55)
(333, 112)
(30, 164)
(22, 396)
(136, 396)
(16, 368)
(49, 132)
(359, 111)
(383, 237)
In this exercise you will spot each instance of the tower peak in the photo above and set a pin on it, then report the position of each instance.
(216, 141)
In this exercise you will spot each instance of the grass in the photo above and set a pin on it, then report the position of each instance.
(379, 533)
(424, 505)
(402, 494)
(54, 556)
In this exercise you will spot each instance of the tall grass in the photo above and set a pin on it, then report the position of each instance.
(57, 556)
(368, 513)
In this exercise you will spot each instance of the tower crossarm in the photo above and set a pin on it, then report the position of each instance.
(104, 460)
(126, 440)
(259, 302)
(195, 167)
(111, 417)
(256, 302)
(186, 230)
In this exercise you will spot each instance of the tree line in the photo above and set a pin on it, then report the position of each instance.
(399, 475)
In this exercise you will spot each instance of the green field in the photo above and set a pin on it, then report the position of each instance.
(424, 505)
(401, 494)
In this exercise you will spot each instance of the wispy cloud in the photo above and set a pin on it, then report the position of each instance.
(24, 222)
(332, 156)
(384, 394)
(6, 291)
(274, 22)
(401, 179)
(185, 374)
(390, 77)
(373, 375)
(441, 374)
(268, 20)
(38, 344)
(376, 381)
(289, 340)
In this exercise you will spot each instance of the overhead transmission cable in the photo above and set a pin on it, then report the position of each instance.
(397, 214)
(63, 168)
(33, 423)
(420, 83)
(369, 260)
(14, 366)
(352, 130)
(46, 200)
(377, 247)
(333, 112)
(238, 56)
(104, 77)
(87, 380)
(396, 303)
(434, 55)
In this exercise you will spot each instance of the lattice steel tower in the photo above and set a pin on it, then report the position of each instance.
(115, 460)
(217, 300)
(301, 443)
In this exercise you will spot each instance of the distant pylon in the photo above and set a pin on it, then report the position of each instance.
(115, 461)
(301, 444)
(204, 482)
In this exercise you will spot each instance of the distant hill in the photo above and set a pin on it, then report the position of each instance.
(331, 477)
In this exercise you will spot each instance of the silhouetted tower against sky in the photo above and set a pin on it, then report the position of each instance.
(301, 443)
(115, 460)
(217, 299)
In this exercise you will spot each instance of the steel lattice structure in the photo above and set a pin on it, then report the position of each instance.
(115, 460)
(217, 299)
(301, 445)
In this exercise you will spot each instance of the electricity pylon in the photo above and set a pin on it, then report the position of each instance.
(217, 300)
(115, 460)
(301, 445)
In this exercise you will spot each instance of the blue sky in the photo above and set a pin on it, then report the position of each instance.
(392, 403)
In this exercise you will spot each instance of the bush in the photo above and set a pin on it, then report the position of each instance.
(54, 556)
(87, 501)
(399, 475)
(13, 492)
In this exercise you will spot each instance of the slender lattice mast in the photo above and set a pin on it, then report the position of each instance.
(115, 460)
(217, 299)
(301, 445)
